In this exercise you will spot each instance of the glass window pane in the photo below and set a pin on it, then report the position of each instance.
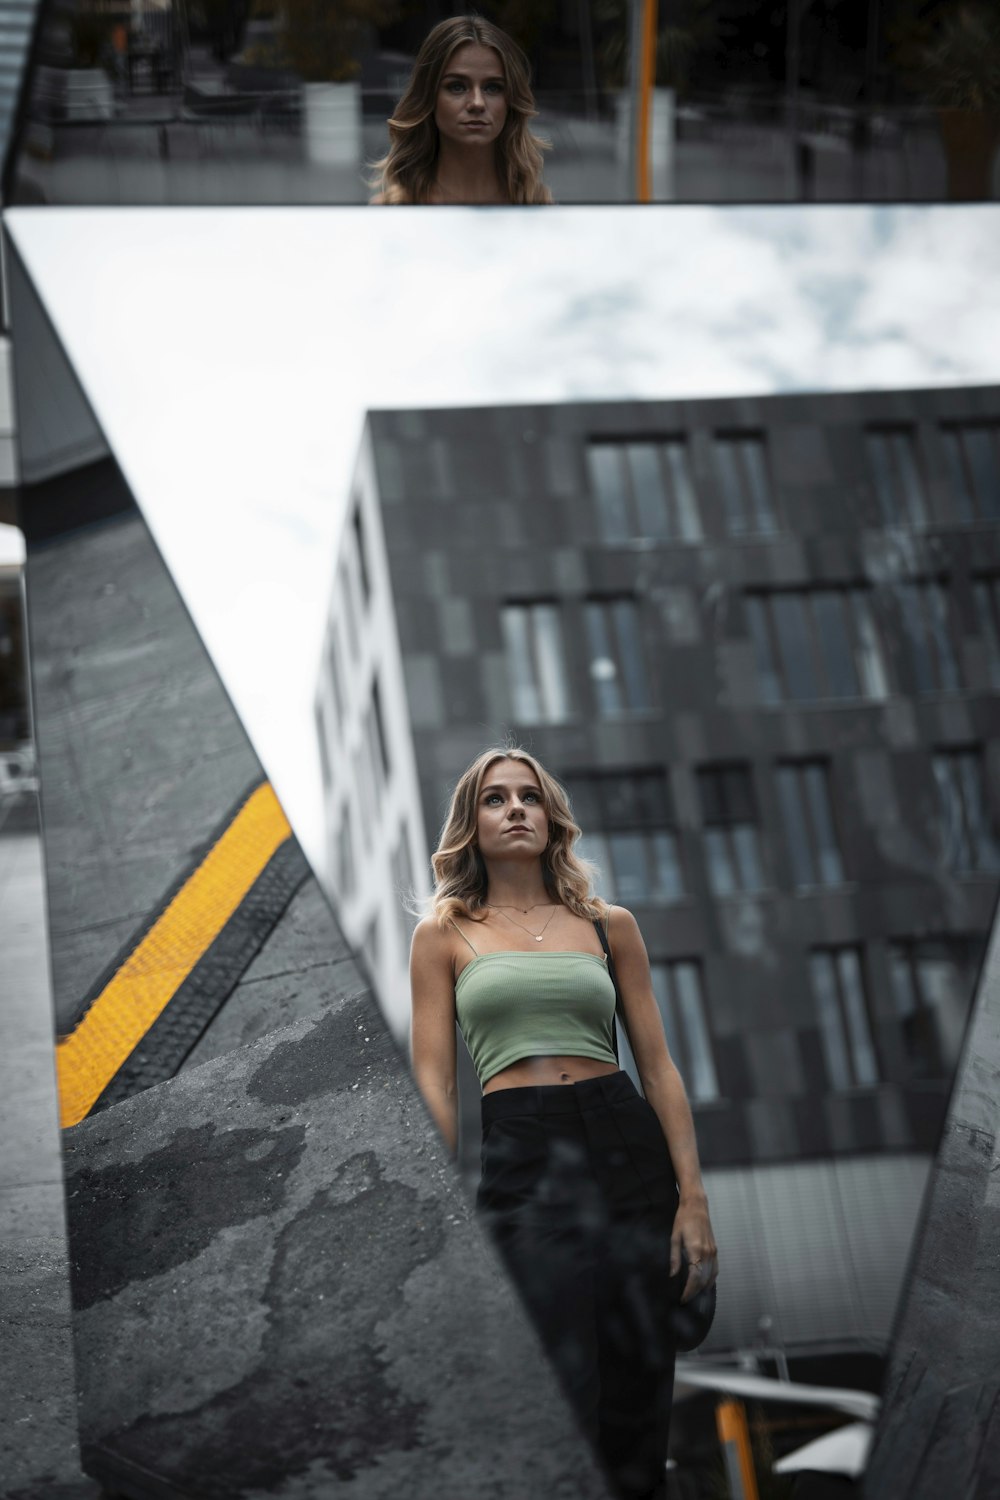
(647, 490)
(662, 989)
(630, 655)
(604, 462)
(831, 1029)
(792, 628)
(936, 601)
(835, 643)
(768, 680)
(978, 823)
(796, 832)
(594, 848)
(552, 678)
(985, 594)
(685, 500)
(856, 1013)
(520, 665)
(901, 979)
(955, 849)
(869, 654)
(878, 459)
(701, 1080)
(752, 453)
(981, 451)
(945, 990)
(746, 847)
(908, 477)
(916, 637)
(603, 671)
(628, 860)
(668, 879)
(721, 876)
(818, 798)
(732, 493)
(738, 794)
(956, 470)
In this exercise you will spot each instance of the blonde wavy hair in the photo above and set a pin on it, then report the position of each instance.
(460, 879)
(406, 173)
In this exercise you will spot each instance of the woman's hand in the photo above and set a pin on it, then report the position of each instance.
(693, 1231)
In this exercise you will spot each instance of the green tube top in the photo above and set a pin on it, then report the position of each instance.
(516, 1005)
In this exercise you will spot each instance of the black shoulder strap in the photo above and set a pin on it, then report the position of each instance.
(619, 1013)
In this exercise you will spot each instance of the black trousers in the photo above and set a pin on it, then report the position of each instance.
(578, 1189)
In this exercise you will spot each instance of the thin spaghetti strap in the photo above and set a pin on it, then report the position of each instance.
(462, 935)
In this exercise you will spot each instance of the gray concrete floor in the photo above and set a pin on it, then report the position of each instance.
(39, 1455)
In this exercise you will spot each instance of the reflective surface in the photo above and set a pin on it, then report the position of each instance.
(776, 777)
(202, 105)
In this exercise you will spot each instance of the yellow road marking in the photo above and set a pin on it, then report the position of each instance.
(138, 992)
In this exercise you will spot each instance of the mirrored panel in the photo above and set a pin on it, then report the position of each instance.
(717, 546)
(240, 1132)
(693, 101)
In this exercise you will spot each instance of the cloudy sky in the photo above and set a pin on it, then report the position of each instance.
(230, 356)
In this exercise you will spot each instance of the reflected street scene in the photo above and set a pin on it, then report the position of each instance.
(224, 101)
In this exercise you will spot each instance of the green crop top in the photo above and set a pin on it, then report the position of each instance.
(516, 1005)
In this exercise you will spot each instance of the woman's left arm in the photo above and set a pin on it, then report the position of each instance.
(664, 1090)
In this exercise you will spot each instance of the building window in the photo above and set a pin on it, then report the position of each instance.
(967, 835)
(746, 490)
(804, 795)
(350, 611)
(931, 982)
(815, 644)
(362, 551)
(972, 450)
(678, 990)
(732, 839)
(333, 665)
(844, 1024)
(629, 834)
(616, 658)
(986, 593)
(344, 873)
(377, 739)
(898, 485)
(536, 663)
(324, 748)
(924, 612)
(643, 489)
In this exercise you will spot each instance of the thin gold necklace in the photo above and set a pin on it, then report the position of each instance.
(536, 935)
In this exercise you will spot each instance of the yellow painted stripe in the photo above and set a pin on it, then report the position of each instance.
(139, 991)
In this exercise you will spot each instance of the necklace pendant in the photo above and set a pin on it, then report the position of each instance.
(538, 937)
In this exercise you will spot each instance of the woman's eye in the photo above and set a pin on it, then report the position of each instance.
(494, 88)
(455, 87)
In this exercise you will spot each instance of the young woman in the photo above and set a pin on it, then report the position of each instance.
(460, 132)
(594, 1194)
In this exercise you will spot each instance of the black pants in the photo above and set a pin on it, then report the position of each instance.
(578, 1188)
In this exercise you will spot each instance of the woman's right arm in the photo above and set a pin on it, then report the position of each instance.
(432, 1042)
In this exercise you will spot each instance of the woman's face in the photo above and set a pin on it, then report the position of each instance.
(472, 96)
(511, 821)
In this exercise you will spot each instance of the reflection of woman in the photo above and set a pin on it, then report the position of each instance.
(590, 1189)
(460, 132)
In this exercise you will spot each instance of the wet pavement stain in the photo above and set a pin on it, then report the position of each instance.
(323, 1393)
(333, 1051)
(134, 1220)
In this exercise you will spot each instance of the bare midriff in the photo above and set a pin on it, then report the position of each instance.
(535, 1072)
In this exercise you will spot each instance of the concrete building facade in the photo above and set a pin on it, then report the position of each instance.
(759, 641)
